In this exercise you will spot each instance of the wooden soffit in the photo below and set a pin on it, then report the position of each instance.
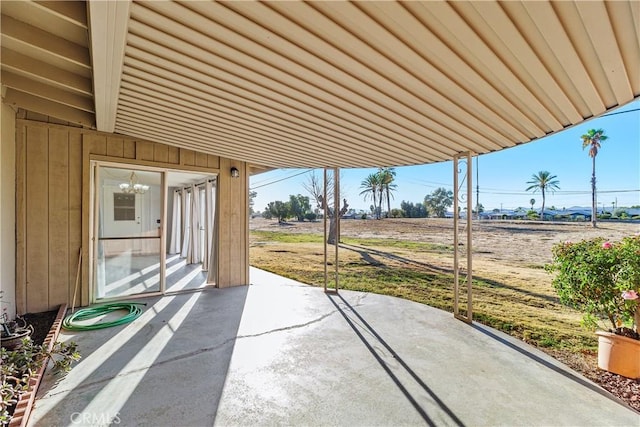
(46, 65)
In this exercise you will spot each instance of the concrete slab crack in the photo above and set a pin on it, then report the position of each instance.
(147, 367)
(192, 354)
(288, 328)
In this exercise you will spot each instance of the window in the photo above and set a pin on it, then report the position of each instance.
(124, 207)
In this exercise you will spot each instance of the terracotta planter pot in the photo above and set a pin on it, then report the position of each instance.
(618, 354)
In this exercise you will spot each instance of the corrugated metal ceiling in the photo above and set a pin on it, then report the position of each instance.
(292, 84)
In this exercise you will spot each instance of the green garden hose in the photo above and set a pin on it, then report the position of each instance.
(133, 308)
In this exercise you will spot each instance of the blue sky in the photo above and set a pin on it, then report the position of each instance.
(503, 175)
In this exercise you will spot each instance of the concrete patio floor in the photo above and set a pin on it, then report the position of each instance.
(280, 352)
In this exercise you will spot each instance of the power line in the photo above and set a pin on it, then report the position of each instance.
(620, 112)
(425, 182)
(489, 190)
(270, 177)
(560, 192)
(281, 179)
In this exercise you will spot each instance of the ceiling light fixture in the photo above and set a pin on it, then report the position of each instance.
(133, 186)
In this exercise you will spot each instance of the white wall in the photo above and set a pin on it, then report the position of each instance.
(8, 211)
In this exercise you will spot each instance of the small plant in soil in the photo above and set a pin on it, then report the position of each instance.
(21, 363)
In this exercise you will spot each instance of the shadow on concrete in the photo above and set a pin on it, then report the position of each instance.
(564, 372)
(128, 373)
(454, 419)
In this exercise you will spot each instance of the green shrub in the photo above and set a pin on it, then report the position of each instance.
(397, 213)
(599, 278)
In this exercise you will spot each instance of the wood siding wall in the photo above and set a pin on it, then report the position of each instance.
(52, 207)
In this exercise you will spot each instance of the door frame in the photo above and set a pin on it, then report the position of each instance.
(94, 206)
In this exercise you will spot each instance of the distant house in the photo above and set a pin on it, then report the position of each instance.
(584, 216)
(633, 212)
(578, 213)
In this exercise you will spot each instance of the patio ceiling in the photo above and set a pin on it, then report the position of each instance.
(291, 84)
(46, 63)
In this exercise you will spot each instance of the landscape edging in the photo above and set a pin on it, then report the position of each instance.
(25, 403)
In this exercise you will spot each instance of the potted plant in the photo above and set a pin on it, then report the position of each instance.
(602, 279)
(12, 332)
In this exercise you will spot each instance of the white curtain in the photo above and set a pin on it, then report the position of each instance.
(202, 196)
(193, 250)
(176, 224)
(186, 223)
(207, 225)
(101, 279)
(212, 233)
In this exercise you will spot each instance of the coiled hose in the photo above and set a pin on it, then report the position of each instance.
(133, 308)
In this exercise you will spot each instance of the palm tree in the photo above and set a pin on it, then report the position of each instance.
(543, 181)
(387, 176)
(592, 139)
(370, 188)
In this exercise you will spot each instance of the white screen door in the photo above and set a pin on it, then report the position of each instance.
(128, 215)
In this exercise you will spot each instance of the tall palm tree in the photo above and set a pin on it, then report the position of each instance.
(387, 176)
(370, 188)
(592, 139)
(543, 181)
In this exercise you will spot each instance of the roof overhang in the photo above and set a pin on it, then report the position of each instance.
(46, 65)
(293, 84)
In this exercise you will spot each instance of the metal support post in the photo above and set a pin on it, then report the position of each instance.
(462, 193)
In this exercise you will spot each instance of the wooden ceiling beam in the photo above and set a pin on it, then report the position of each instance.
(47, 91)
(45, 43)
(36, 104)
(73, 11)
(41, 70)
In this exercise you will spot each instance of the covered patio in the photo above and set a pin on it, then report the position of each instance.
(281, 352)
(234, 88)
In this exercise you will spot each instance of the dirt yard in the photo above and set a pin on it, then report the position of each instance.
(524, 242)
(504, 248)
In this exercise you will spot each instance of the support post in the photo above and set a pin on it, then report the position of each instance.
(336, 214)
(324, 220)
(462, 174)
(336, 218)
